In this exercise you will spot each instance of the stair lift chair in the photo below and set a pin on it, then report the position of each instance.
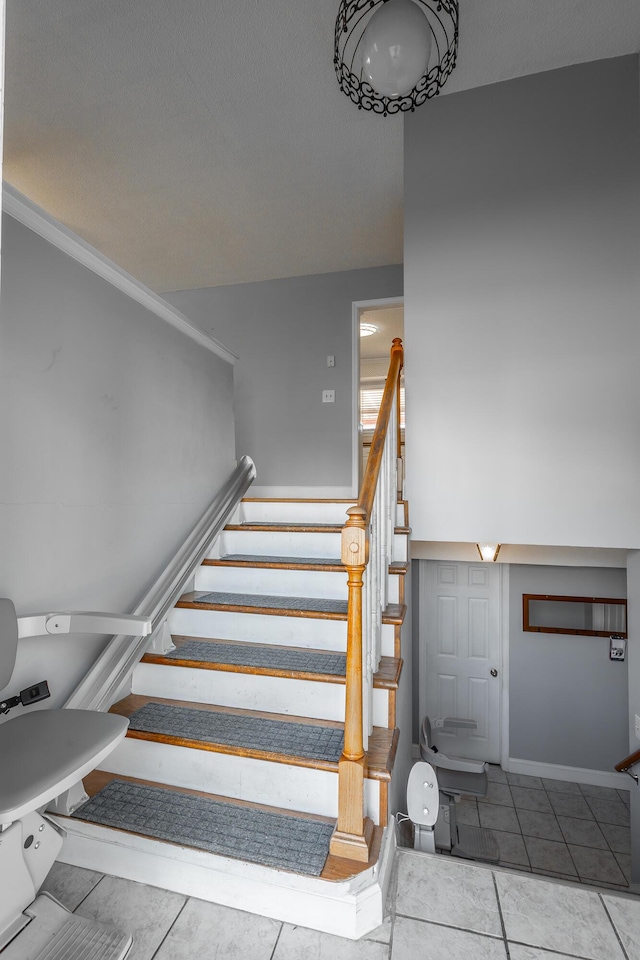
(42, 754)
(448, 779)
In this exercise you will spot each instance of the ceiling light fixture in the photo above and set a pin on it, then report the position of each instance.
(384, 48)
(488, 551)
(368, 329)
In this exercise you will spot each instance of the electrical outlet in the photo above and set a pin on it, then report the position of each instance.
(331, 361)
(328, 396)
(637, 726)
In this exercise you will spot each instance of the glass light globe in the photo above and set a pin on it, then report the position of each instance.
(395, 48)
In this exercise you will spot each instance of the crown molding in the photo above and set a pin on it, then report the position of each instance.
(20, 208)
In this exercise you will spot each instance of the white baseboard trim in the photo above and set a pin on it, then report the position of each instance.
(553, 771)
(303, 493)
(346, 908)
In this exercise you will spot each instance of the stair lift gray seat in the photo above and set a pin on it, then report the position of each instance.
(42, 754)
(46, 752)
(455, 777)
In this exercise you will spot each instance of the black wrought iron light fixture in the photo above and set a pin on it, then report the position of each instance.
(392, 55)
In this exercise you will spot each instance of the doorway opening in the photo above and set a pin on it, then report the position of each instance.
(381, 321)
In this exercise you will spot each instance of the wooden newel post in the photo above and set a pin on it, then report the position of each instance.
(353, 833)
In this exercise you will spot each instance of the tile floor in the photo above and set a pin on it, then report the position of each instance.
(556, 828)
(439, 908)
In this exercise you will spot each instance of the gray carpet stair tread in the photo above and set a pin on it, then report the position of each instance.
(290, 561)
(275, 840)
(255, 655)
(314, 604)
(286, 524)
(311, 741)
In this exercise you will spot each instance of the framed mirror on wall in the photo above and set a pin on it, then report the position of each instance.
(582, 616)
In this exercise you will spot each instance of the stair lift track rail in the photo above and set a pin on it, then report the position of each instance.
(99, 687)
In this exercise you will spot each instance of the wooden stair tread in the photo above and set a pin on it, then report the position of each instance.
(274, 526)
(261, 561)
(381, 753)
(298, 500)
(270, 526)
(386, 678)
(335, 869)
(309, 607)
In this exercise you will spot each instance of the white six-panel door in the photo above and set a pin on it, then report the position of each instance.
(460, 653)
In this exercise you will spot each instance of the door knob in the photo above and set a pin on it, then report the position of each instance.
(493, 672)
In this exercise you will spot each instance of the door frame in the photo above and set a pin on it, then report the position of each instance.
(503, 636)
(356, 446)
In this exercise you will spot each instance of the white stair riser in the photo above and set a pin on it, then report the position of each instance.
(256, 627)
(282, 511)
(279, 583)
(282, 583)
(401, 547)
(301, 698)
(242, 778)
(279, 543)
(348, 908)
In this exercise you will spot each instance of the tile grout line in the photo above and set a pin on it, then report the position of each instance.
(89, 892)
(275, 946)
(170, 927)
(502, 924)
(615, 929)
(392, 898)
(451, 926)
(554, 953)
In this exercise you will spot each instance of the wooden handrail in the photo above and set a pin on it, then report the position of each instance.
(353, 833)
(628, 762)
(391, 391)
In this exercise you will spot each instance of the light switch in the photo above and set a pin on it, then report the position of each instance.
(331, 361)
(637, 726)
(328, 396)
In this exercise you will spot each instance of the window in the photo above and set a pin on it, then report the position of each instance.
(370, 399)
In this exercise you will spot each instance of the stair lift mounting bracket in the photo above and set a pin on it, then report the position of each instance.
(80, 622)
(83, 621)
(30, 695)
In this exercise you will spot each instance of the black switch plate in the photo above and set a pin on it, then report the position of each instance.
(35, 693)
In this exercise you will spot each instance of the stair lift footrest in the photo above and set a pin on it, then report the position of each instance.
(476, 843)
(56, 934)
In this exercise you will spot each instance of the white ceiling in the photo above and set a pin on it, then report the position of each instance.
(390, 324)
(206, 142)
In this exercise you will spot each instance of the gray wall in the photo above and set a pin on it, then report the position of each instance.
(567, 700)
(633, 587)
(116, 432)
(283, 331)
(522, 243)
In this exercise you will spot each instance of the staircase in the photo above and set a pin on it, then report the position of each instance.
(226, 787)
